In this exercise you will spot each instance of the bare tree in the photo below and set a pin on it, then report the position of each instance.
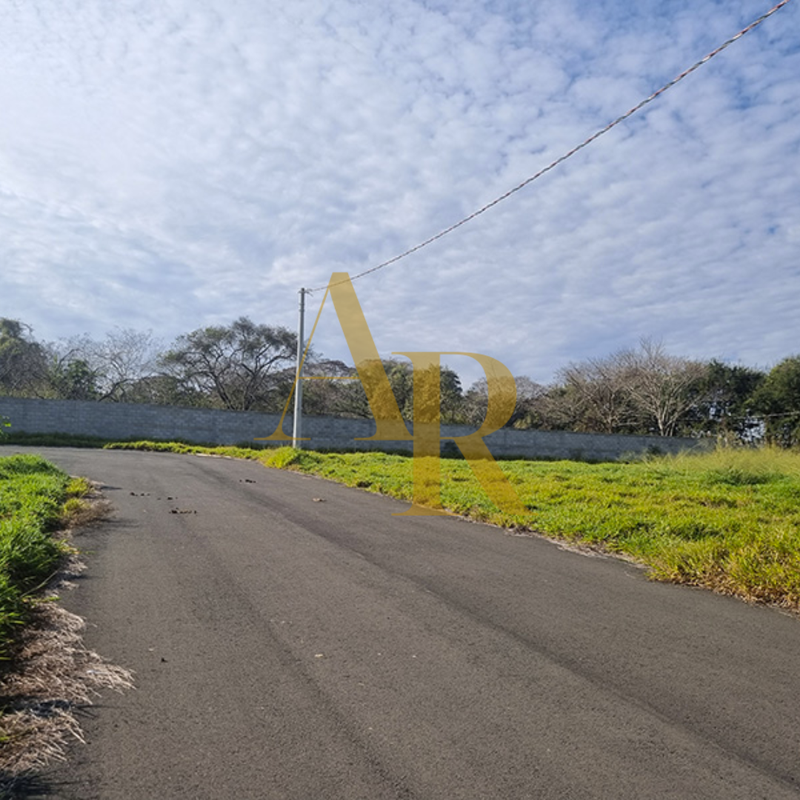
(111, 367)
(645, 390)
(662, 387)
(598, 394)
(529, 411)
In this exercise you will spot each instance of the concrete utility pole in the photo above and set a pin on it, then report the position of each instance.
(298, 389)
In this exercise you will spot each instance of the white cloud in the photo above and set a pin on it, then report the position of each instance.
(170, 165)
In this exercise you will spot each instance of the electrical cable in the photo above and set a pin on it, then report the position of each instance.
(571, 152)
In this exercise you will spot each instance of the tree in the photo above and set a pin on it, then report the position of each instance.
(332, 389)
(777, 399)
(351, 400)
(82, 368)
(555, 409)
(72, 380)
(663, 388)
(597, 395)
(452, 396)
(725, 406)
(527, 411)
(405, 380)
(476, 400)
(632, 391)
(166, 390)
(235, 365)
(23, 362)
(401, 379)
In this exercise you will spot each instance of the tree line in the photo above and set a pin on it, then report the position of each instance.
(247, 366)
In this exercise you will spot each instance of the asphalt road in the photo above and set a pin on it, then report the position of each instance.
(292, 639)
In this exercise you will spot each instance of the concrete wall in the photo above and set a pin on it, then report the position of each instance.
(125, 421)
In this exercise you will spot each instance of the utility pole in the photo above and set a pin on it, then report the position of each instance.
(298, 389)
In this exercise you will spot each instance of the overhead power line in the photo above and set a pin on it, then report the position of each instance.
(570, 153)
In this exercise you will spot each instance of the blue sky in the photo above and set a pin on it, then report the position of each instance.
(174, 164)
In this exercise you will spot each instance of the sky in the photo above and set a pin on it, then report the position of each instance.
(170, 165)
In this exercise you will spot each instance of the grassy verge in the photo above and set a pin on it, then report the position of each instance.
(35, 499)
(53, 439)
(46, 673)
(728, 520)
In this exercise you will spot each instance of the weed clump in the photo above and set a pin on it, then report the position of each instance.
(281, 457)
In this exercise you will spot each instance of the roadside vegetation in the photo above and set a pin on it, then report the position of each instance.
(36, 499)
(249, 366)
(728, 520)
(46, 673)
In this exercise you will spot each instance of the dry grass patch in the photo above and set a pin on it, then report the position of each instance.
(84, 504)
(52, 677)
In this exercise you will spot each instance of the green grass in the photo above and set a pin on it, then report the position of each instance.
(232, 451)
(51, 439)
(66, 440)
(32, 496)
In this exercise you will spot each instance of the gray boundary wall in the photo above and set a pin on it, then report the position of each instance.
(207, 426)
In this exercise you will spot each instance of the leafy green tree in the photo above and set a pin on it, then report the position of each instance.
(401, 379)
(528, 411)
(450, 393)
(777, 399)
(166, 390)
(725, 407)
(23, 362)
(330, 392)
(352, 400)
(72, 380)
(452, 396)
